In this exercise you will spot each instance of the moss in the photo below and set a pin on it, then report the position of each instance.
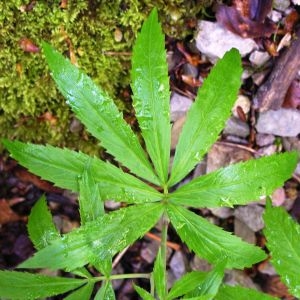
(92, 33)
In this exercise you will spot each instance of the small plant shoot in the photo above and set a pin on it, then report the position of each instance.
(148, 189)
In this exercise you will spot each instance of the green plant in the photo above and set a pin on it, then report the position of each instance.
(283, 241)
(101, 235)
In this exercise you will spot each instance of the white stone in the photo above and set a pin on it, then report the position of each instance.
(214, 40)
(281, 5)
(243, 102)
(281, 122)
(179, 106)
(275, 16)
(259, 58)
(251, 215)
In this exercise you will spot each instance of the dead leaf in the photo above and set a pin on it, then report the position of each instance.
(292, 98)
(249, 25)
(193, 59)
(291, 20)
(26, 176)
(7, 214)
(27, 45)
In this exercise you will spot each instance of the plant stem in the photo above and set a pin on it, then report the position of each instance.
(164, 236)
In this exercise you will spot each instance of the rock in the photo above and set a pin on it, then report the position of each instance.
(235, 126)
(175, 131)
(149, 251)
(275, 16)
(251, 215)
(282, 122)
(178, 264)
(200, 168)
(75, 126)
(112, 205)
(222, 155)
(267, 150)
(291, 143)
(243, 102)
(200, 264)
(259, 58)
(278, 197)
(264, 139)
(214, 40)
(244, 232)
(222, 212)
(266, 267)
(238, 277)
(179, 106)
(297, 171)
(281, 5)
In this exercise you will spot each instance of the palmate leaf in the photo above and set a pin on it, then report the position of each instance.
(186, 283)
(97, 240)
(283, 241)
(210, 285)
(211, 242)
(151, 93)
(143, 293)
(106, 292)
(40, 226)
(20, 285)
(198, 283)
(237, 184)
(90, 204)
(83, 293)
(206, 117)
(99, 114)
(237, 293)
(63, 167)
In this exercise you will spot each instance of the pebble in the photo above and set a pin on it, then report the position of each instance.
(238, 277)
(179, 106)
(275, 16)
(244, 103)
(75, 126)
(222, 212)
(149, 251)
(244, 232)
(112, 205)
(178, 264)
(214, 40)
(281, 5)
(281, 122)
(267, 150)
(263, 139)
(223, 155)
(267, 268)
(278, 197)
(259, 58)
(251, 215)
(291, 143)
(200, 264)
(175, 131)
(235, 126)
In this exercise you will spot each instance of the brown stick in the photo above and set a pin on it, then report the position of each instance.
(271, 94)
